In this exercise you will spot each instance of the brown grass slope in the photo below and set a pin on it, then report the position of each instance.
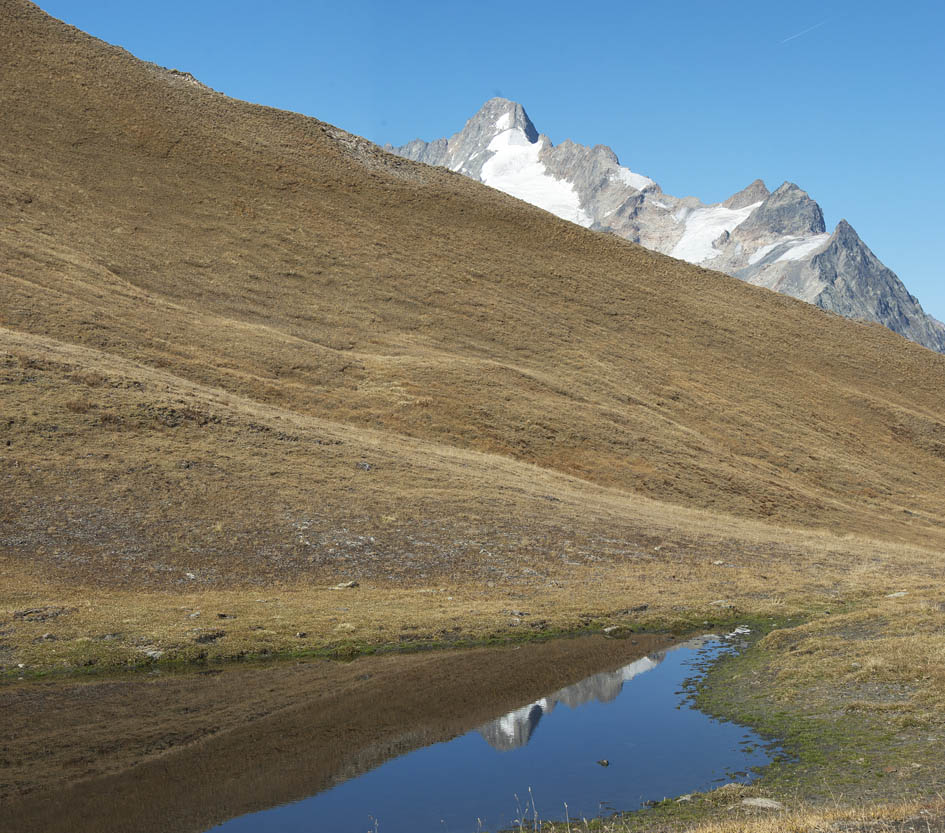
(213, 312)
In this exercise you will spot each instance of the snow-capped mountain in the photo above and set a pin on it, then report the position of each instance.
(775, 239)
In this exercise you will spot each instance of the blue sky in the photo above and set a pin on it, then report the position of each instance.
(847, 99)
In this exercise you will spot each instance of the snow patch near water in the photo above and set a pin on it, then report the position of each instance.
(703, 226)
(515, 169)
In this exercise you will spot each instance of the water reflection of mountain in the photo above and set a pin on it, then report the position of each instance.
(515, 729)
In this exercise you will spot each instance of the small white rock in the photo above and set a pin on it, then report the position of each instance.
(763, 803)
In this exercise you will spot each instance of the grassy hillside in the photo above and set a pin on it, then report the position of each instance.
(245, 357)
(275, 257)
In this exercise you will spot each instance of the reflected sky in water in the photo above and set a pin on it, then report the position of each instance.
(545, 752)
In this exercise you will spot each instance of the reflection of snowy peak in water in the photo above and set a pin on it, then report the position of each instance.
(515, 729)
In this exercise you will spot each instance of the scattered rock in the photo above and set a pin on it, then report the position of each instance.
(604, 762)
(898, 594)
(517, 613)
(345, 627)
(365, 466)
(683, 798)
(154, 654)
(190, 575)
(39, 614)
(225, 616)
(48, 637)
(611, 629)
(345, 585)
(301, 635)
(212, 636)
(763, 803)
(193, 615)
(722, 603)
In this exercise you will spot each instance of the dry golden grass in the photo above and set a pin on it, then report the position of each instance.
(245, 356)
(172, 504)
(276, 258)
(895, 818)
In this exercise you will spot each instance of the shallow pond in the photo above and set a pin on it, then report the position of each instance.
(612, 741)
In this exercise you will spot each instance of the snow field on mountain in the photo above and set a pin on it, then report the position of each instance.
(805, 247)
(703, 226)
(797, 248)
(634, 180)
(515, 169)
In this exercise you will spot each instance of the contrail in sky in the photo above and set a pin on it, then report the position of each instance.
(809, 29)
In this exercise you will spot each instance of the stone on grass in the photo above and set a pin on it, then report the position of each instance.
(763, 803)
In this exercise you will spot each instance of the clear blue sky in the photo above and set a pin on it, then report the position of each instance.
(847, 99)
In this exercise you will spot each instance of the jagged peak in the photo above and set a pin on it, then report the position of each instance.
(843, 227)
(845, 235)
(788, 210)
(787, 187)
(499, 114)
(755, 192)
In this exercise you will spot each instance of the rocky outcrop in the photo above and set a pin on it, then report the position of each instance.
(789, 211)
(774, 239)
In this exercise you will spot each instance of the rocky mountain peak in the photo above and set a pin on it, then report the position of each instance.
(786, 211)
(497, 115)
(756, 192)
(775, 239)
(846, 234)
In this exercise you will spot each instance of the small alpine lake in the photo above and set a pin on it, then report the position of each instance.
(610, 742)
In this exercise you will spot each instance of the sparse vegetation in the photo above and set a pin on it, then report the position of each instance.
(246, 358)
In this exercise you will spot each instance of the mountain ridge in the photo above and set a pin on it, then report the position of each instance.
(774, 239)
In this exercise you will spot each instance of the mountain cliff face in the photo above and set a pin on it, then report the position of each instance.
(774, 239)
